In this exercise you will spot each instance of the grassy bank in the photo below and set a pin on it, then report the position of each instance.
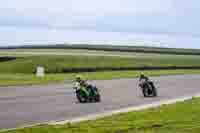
(29, 79)
(60, 64)
(60, 68)
(183, 117)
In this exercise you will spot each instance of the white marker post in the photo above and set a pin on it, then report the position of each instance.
(40, 71)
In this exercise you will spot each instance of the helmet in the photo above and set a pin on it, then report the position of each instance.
(142, 76)
(79, 78)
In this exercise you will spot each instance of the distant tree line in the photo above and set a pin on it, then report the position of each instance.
(139, 49)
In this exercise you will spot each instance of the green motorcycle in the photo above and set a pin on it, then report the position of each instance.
(88, 94)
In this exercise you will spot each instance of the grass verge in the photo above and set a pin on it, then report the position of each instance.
(182, 117)
(7, 79)
(61, 64)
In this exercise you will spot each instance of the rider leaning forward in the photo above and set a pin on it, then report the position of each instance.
(81, 84)
(144, 78)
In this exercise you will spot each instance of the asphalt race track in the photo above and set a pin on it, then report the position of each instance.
(25, 105)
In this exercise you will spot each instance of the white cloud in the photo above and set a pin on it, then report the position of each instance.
(92, 16)
(80, 13)
(86, 7)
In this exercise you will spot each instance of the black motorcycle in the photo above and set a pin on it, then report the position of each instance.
(148, 89)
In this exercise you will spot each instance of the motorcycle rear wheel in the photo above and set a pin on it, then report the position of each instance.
(97, 98)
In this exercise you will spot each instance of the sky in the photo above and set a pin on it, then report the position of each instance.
(168, 23)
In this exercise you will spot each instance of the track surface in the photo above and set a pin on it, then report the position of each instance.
(26, 105)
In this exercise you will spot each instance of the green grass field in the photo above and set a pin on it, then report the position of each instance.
(58, 64)
(182, 117)
(21, 70)
(30, 79)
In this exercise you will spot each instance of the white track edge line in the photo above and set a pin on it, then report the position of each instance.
(123, 110)
(109, 113)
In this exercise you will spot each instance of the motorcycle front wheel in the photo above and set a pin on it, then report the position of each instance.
(80, 97)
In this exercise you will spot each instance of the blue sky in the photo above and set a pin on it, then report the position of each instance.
(172, 23)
